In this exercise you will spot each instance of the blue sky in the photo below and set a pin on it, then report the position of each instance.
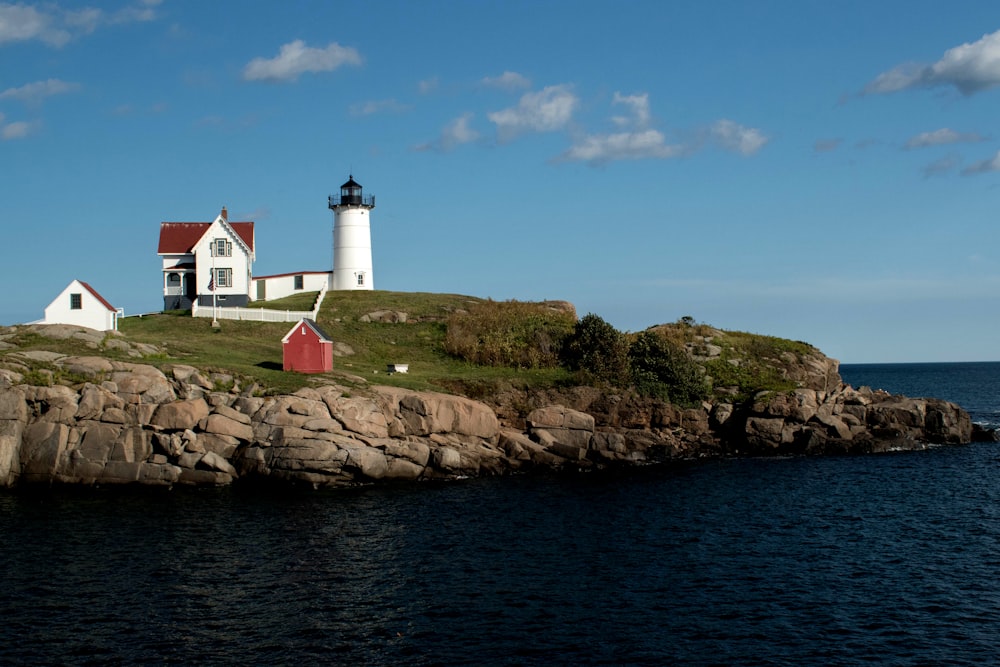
(826, 172)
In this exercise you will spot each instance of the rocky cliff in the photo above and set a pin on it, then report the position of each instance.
(130, 423)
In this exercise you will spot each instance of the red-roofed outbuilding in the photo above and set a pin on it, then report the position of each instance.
(307, 349)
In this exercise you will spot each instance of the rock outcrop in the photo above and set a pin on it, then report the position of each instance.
(127, 423)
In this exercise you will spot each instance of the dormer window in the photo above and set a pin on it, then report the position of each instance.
(222, 248)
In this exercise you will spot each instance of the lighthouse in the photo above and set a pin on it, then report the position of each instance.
(352, 238)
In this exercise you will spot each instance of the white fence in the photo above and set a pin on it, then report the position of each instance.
(258, 314)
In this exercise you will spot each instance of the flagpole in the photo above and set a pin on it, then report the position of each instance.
(215, 311)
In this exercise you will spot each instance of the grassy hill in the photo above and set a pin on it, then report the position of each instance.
(253, 349)
(433, 334)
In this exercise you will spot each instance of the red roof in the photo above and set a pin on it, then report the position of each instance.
(178, 238)
(98, 296)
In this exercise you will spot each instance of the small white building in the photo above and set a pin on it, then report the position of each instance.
(278, 286)
(208, 263)
(80, 304)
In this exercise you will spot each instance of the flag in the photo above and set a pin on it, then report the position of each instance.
(211, 284)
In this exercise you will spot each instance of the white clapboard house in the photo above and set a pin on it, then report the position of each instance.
(208, 263)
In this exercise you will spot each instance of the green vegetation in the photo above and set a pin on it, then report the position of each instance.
(301, 301)
(663, 369)
(456, 343)
(511, 333)
(598, 351)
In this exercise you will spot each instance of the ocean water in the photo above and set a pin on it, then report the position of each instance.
(890, 559)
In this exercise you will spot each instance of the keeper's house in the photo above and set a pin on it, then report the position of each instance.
(206, 262)
(307, 349)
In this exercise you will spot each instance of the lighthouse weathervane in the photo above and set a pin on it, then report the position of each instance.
(352, 238)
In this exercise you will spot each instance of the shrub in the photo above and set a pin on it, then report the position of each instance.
(509, 333)
(663, 369)
(599, 349)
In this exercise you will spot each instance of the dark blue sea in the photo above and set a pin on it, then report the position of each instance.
(888, 559)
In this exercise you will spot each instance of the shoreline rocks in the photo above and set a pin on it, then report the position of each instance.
(129, 423)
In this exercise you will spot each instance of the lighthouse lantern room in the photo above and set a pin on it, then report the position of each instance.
(352, 238)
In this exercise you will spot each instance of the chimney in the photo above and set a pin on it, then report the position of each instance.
(225, 216)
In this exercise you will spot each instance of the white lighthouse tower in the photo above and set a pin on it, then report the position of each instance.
(352, 238)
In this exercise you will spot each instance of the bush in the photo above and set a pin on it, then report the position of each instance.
(663, 369)
(597, 348)
(509, 333)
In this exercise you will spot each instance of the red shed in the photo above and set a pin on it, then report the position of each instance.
(307, 349)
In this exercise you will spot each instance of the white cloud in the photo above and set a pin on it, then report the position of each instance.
(55, 27)
(603, 148)
(738, 138)
(983, 166)
(456, 133)
(16, 130)
(296, 58)
(640, 110)
(20, 23)
(547, 110)
(34, 93)
(941, 137)
(377, 106)
(507, 81)
(639, 142)
(969, 67)
(428, 86)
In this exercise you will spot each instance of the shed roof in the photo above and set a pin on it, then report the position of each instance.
(305, 321)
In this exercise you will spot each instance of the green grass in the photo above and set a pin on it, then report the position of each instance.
(253, 350)
(303, 301)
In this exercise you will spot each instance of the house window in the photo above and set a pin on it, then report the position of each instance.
(222, 248)
(76, 302)
(361, 280)
(299, 282)
(223, 277)
(173, 280)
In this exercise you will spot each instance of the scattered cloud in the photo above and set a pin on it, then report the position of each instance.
(378, 106)
(970, 68)
(53, 26)
(637, 142)
(15, 130)
(603, 148)
(295, 58)
(428, 86)
(456, 133)
(942, 166)
(260, 213)
(507, 81)
(738, 138)
(826, 145)
(547, 110)
(34, 93)
(639, 104)
(941, 137)
(983, 166)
